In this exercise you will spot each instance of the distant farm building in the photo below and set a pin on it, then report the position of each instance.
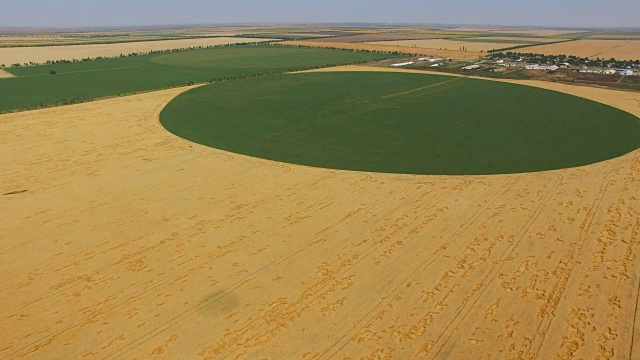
(429, 59)
(471, 67)
(403, 64)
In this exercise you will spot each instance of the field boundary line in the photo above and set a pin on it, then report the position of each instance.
(422, 88)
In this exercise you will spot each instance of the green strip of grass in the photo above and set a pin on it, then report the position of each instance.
(36, 87)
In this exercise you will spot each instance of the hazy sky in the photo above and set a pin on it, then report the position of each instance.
(568, 13)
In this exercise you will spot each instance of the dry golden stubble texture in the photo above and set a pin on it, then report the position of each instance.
(122, 240)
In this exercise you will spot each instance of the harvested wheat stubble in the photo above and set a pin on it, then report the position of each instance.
(532, 32)
(22, 55)
(604, 49)
(134, 243)
(387, 48)
(620, 36)
(509, 38)
(382, 37)
(445, 44)
(5, 74)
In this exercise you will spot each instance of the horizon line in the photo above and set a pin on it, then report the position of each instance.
(350, 23)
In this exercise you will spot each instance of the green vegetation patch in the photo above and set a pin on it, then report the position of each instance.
(36, 86)
(402, 123)
(237, 60)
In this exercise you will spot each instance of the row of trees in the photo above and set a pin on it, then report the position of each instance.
(77, 100)
(152, 52)
(381, 52)
(569, 59)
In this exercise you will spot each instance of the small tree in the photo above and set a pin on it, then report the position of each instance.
(52, 72)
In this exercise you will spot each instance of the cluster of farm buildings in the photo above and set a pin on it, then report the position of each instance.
(502, 64)
(553, 67)
(435, 62)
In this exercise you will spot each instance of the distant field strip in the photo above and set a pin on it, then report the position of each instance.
(85, 71)
(448, 44)
(385, 46)
(605, 49)
(41, 54)
(422, 88)
(34, 86)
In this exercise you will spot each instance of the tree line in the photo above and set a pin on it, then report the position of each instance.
(141, 53)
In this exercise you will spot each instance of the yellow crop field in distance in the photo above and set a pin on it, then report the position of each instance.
(604, 49)
(446, 44)
(41, 54)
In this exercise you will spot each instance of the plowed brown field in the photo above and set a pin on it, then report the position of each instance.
(121, 240)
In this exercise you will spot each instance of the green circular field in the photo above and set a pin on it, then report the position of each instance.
(402, 123)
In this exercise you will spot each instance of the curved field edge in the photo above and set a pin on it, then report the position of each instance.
(535, 131)
(68, 83)
(355, 264)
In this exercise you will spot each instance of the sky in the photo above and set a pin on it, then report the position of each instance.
(547, 13)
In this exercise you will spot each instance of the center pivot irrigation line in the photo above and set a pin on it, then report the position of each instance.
(422, 88)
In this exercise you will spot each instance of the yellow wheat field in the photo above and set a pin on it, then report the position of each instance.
(515, 39)
(445, 44)
(454, 54)
(604, 49)
(120, 240)
(5, 74)
(41, 54)
(532, 32)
